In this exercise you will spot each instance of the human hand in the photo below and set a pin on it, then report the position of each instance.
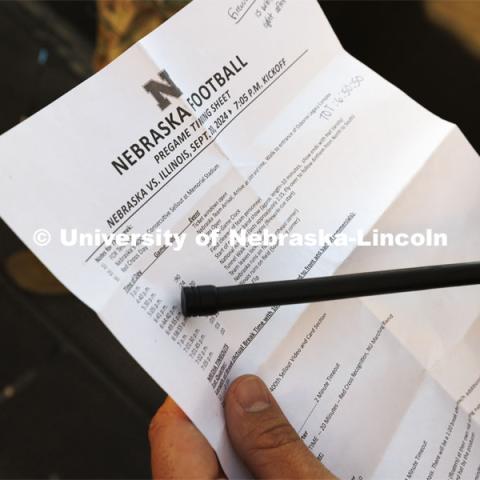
(260, 434)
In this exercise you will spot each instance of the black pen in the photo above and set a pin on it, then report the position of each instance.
(209, 299)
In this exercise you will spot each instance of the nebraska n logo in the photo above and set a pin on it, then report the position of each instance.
(161, 90)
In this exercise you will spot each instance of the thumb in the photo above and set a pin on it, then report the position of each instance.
(262, 436)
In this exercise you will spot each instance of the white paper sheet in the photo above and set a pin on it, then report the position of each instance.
(295, 135)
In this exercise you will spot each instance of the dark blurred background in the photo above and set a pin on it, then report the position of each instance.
(73, 403)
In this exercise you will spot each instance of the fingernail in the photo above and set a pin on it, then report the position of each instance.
(252, 395)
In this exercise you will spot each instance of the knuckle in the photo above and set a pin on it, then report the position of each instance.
(155, 425)
(274, 437)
